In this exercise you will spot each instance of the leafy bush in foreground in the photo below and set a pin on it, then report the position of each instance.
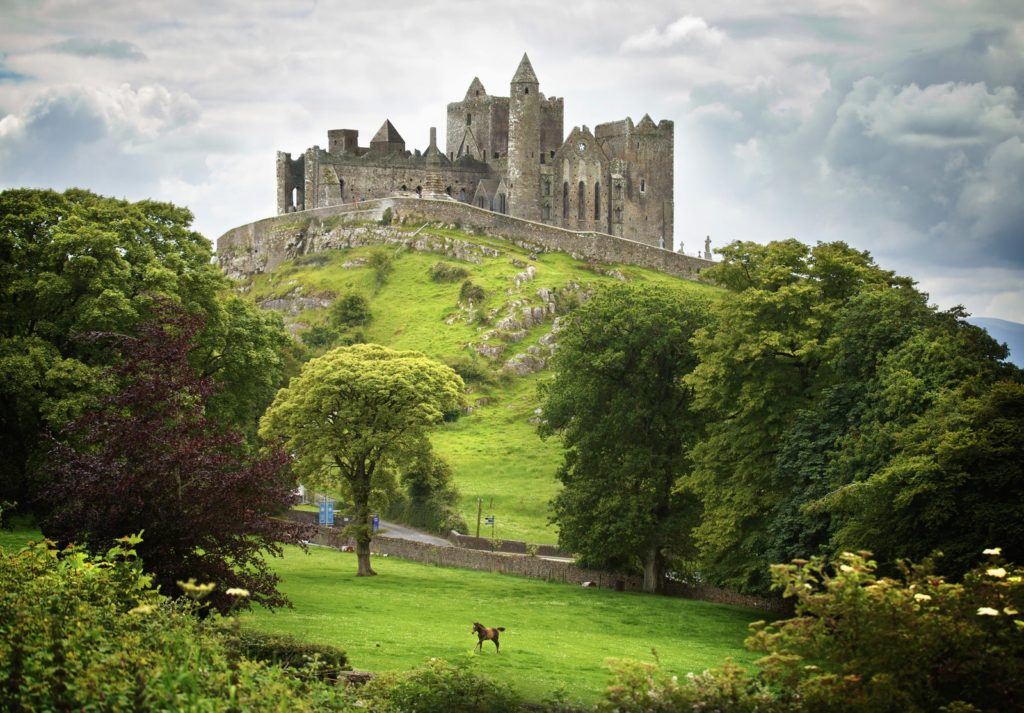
(438, 687)
(860, 642)
(93, 634)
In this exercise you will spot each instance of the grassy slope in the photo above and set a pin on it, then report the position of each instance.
(495, 452)
(557, 635)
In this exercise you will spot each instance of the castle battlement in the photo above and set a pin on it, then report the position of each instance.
(507, 154)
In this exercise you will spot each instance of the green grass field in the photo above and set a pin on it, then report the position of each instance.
(557, 636)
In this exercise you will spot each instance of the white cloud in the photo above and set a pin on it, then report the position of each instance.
(687, 31)
(938, 116)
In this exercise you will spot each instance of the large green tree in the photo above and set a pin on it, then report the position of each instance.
(355, 412)
(759, 371)
(623, 411)
(74, 263)
(825, 378)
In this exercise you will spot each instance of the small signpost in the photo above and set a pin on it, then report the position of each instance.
(490, 521)
(327, 511)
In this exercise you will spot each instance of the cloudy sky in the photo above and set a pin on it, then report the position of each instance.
(895, 125)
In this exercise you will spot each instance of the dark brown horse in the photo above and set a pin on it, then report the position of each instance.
(486, 634)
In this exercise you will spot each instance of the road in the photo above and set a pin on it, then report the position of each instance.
(404, 532)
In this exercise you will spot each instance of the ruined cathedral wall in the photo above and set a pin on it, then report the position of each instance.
(552, 126)
(581, 191)
(352, 182)
(486, 118)
(648, 206)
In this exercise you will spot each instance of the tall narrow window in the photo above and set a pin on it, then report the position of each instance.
(565, 201)
(597, 201)
(643, 185)
(469, 119)
(341, 189)
(581, 202)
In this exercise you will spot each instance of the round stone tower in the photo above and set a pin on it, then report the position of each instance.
(524, 143)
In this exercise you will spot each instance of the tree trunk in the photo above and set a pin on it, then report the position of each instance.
(654, 570)
(363, 557)
(363, 528)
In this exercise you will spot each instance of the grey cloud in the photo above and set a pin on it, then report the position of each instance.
(108, 49)
(121, 143)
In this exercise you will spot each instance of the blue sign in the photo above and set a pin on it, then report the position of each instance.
(489, 519)
(327, 512)
(376, 522)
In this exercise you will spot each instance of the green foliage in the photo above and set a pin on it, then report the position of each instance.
(386, 217)
(382, 265)
(823, 374)
(429, 496)
(319, 336)
(75, 263)
(470, 292)
(618, 401)
(301, 658)
(447, 272)
(860, 642)
(473, 369)
(642, 688)
(438, 687)
(356, 411)
(350, 310)
(81, 633)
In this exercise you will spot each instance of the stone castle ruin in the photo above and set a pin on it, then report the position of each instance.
(508, 155)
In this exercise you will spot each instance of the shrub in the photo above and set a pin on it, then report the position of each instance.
(91, 633)
(318, 336)
(860, 642)
(438, 687)
(387, 216)
(301, 658)
(471, 369)
(641, 688)
(863, 643)
(471, 293)
(446, 272)
(383, 265)
(350, 310)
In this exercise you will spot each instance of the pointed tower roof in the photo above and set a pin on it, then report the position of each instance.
(525, 74)
(476, 89)
(646, 123)
(387, 134)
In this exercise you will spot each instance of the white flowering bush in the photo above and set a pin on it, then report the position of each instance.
(861, 643)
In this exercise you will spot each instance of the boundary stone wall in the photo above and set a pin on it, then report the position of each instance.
(539, 568)
(262, 245)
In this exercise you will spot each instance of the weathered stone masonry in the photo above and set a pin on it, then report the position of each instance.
(509, 155)
(263, 245)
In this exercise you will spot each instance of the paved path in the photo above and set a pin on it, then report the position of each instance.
(404, 532)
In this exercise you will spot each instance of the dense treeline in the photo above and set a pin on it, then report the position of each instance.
(73, 264)
(834, 409)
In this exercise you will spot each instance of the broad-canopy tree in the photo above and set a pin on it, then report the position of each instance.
(825, 378)
(73, 263)
(146, 458)
(356, 411)
(619, 402)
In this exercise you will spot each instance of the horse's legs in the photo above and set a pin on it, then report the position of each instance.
(496, 647)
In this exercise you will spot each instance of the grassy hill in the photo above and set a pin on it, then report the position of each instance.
(494, 450)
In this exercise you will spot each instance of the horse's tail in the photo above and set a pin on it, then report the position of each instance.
(501, 628)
